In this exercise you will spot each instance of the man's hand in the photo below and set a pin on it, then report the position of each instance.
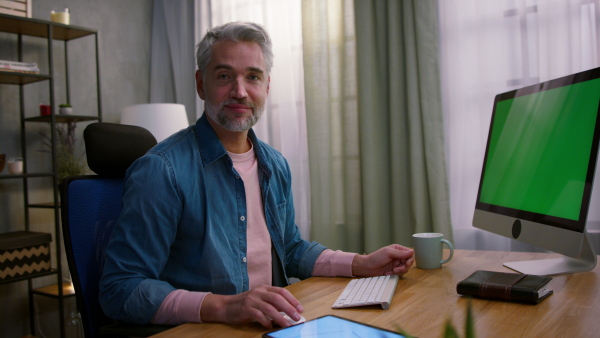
(390, 260)
(261, 304)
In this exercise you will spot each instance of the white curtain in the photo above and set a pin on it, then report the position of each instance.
(283, 125)
(490, 47)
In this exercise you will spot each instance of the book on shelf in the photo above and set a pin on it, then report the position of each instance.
(21, 67)
(16, 7)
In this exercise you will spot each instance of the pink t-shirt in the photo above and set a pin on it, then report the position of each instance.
(258, 252)
(182, 306)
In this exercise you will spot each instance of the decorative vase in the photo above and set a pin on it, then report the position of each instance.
(65, 111)
(2, 161)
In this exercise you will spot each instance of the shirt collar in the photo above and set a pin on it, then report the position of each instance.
(211, 148)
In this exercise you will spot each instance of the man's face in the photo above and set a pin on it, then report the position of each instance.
(235, 85)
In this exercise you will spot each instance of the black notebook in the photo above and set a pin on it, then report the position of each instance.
(512, 287)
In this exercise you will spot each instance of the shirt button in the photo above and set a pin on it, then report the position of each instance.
(243, 218)
(244, 259)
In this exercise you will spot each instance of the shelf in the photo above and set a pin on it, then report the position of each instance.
(21, 78)
(48, 205)
(62, 118)
(13, 176)
(28, 31)
(52, 290)
(31, 276)
(39, 28)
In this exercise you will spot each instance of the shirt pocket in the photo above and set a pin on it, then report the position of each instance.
(281, 214)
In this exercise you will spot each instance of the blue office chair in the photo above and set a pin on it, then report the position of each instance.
(91, 205)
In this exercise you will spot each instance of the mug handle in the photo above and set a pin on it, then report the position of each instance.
(451, 250)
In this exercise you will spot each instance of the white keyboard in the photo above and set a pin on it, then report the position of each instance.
(368, 291)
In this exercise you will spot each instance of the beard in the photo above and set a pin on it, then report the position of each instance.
(218, 115)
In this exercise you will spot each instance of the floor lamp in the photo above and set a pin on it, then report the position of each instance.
(161, 119)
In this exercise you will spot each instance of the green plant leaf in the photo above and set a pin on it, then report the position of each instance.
(402, 332)
(449, 330)
(470, 322)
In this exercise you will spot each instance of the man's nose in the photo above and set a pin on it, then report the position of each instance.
(238, 89)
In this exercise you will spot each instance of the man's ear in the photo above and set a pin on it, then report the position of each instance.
(200, 85)
(268, 84)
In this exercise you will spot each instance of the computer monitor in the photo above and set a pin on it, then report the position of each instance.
(538, 171)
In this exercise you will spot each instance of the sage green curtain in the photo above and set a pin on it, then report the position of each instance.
(329, 48)
(375, 125)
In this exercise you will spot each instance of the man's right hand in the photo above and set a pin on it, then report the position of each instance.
(261, 304)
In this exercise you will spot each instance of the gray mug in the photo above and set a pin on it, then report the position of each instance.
(428, 250)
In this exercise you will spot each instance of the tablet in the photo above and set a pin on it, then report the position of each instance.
(331, 327)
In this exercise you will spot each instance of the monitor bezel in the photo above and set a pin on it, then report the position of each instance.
(563, 223)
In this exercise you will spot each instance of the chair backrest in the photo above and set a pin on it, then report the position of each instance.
(90, 208)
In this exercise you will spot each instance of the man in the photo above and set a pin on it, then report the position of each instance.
(207, 230)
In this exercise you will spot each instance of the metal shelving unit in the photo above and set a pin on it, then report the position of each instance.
(50, 31)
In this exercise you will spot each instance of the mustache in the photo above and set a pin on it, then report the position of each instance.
(236, 101)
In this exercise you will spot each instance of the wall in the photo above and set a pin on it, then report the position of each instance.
(124, 52)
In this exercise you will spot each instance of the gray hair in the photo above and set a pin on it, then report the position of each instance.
(237, 32)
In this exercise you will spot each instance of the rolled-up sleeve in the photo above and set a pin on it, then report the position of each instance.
(130, 288)
(334, 264)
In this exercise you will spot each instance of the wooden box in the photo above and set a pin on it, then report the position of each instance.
(24, 253)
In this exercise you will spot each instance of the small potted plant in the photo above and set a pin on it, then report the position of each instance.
(65, 109)
(69, 161)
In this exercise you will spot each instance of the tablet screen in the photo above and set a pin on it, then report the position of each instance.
(331, 327)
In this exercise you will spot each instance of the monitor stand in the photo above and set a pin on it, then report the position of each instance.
(586, 261)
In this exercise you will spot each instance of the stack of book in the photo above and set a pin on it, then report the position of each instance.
(16, 7)
(20, 67)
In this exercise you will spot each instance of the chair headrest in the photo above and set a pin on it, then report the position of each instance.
(111, 148)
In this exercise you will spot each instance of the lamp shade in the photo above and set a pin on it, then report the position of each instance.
(161, 119)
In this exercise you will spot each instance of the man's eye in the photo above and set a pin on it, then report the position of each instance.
(222, 76)
(254, 77)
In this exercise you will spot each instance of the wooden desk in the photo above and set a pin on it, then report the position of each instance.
(425, 299)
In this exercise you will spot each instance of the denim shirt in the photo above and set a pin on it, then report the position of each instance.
(183, 224)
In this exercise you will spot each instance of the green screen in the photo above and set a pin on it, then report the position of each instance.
(539, 150)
